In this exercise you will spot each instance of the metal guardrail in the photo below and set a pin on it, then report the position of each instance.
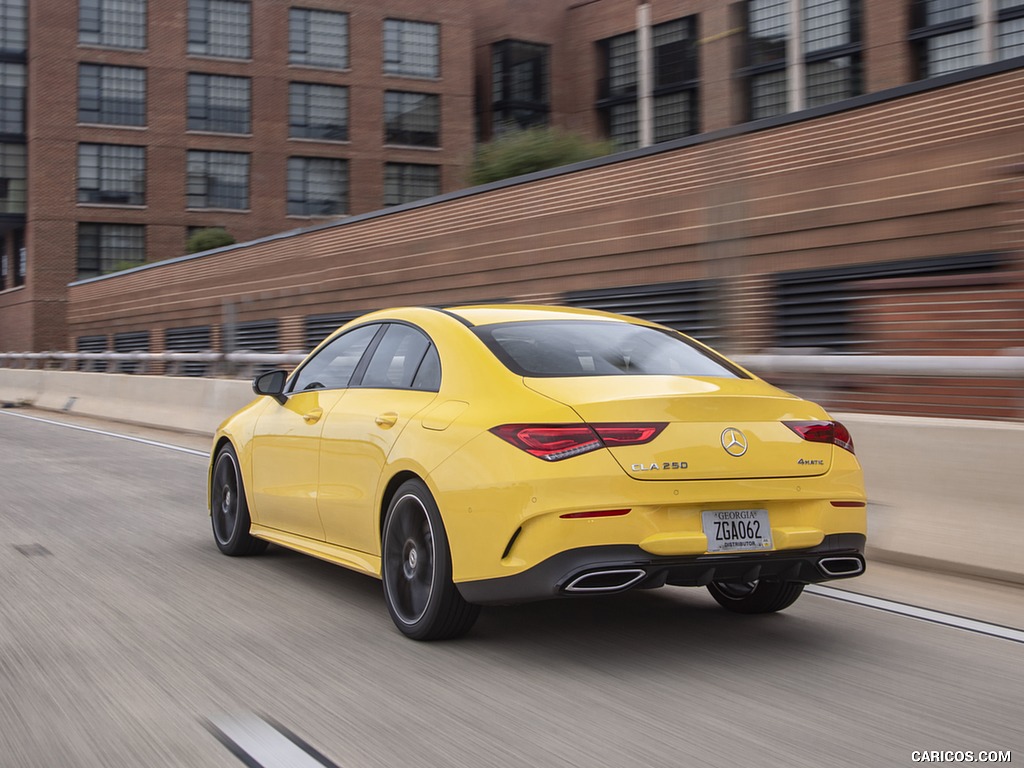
(241, 363)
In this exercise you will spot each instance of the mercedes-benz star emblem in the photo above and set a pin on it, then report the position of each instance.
(734, 442)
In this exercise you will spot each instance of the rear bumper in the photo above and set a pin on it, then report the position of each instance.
(617, 568)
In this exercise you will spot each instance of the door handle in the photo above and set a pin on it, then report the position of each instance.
(313, 416)
(386, 420)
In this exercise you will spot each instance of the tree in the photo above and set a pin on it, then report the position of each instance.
(535, 149)
(208, 239)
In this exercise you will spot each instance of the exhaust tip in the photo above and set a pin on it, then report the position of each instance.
(606, 581)
(841, 566)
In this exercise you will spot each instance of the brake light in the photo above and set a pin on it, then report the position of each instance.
(554, 442)
(591, 515)
(823, 432)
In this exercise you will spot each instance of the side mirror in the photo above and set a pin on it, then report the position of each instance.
(272, 384)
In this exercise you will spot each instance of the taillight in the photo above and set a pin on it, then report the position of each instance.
(823, 432)
(554, 442)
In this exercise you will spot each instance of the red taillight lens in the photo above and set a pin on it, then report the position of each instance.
(554, 442)
(591, 515)
(823, 432)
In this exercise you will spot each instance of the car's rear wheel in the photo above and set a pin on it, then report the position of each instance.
(229, 511)
(755, 596)
(417, 569)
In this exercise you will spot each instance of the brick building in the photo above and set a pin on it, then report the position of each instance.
(799, 149)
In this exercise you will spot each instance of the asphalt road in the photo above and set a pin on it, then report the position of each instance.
(124, 633)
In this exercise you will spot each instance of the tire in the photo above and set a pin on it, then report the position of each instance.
(416, 569)
(756, 596)
(229, 510)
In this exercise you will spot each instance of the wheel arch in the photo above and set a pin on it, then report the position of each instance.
(389, 492)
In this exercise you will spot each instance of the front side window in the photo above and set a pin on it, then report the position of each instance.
(111, 95)
(218, 180)
(218, 103)
(111, 174)
(317, 186)
(104, 248)
(318, 38)
(412, 119)
(318, 111)
(332, 367)
(598, 348)
(406, 182)
(12, 97)
(397, 359)
(219, 28)
(112, 23)
(412, 48)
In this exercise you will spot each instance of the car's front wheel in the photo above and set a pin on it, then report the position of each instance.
(229, 511)
(755, 596)
(417, 569)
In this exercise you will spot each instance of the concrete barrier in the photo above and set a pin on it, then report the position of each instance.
(944, 493)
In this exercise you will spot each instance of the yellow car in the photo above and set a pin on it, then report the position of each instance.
(499, 454)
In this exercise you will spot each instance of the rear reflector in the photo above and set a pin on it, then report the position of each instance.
(852, 504)
(823, 432)
(554, 442)
(601, 513)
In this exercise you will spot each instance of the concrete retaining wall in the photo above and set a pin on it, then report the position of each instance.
(945, 494)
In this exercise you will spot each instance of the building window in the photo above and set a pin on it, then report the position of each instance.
(317, 186)
(111, 95)
(114, 23)
(944, 36)
(218, 103)
(219, 28)
(13, 26)
(218, 180)
(405, 182)
(318, 111)
(1009, 29)
(318, 38)
(829, 51)
(674, 82)
(12, 98)
(412, 48)
(104, 248)
(12, 179)
(111, 174)
(412, 119)
(520, 86)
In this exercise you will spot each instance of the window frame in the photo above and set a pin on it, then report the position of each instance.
(306, 161)
(397, 136)
(106, 165)
(396, 63)
(208, 157)
(307, 19)
(199, 19)
(300, 94)
(207, 82)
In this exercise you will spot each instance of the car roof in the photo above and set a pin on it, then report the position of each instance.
(490, 314)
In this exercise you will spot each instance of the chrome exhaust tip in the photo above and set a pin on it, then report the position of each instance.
(606, 581)
(841, 566)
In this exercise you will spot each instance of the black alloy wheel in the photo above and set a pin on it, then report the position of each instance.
(755, 596)
(417, 571)
(229, 511)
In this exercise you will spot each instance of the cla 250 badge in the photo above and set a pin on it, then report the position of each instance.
(656, 467)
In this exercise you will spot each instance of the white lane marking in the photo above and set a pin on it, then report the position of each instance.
(265, 745)
(916, 612)
(132, 438)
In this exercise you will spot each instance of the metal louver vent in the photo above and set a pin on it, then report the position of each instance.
(133, 341)
(689, 306)
(197, 338)
(814, 307)
(91, 344)
(257, 336)
(319, 327)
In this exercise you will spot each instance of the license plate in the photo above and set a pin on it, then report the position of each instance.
(736, 530)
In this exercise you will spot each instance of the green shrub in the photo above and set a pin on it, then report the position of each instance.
(532, 150)
(208, 239)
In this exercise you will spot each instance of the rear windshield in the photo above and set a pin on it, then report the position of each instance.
(598, 348)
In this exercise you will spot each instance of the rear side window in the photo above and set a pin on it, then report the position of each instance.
(598, 348)
(397, 359)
